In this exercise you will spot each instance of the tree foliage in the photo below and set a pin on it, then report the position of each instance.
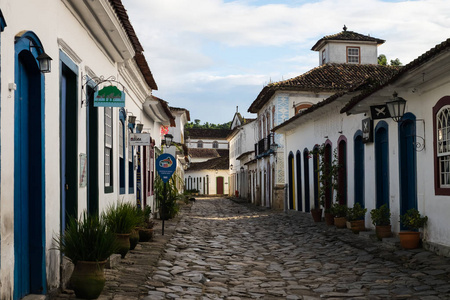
(206, 125)
(382, 60)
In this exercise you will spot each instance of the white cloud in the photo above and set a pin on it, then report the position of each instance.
(187, 43)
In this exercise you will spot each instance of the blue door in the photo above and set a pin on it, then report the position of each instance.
(359, 168)
(299, 181)
(382, 164)
(29, 179)
(407, 162)
(291, 180)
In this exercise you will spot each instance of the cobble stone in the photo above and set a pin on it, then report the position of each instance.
(219, 249)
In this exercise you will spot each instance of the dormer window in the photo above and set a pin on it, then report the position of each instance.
(302, 107)
(324, 57)
(353, 56)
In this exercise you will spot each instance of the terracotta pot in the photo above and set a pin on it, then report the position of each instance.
(134, 239)
(383, 231)
(329, 219)
(145, 234)
(88, 279)
(340, 222)
(123, 244)
(409, 239)
(357, 226)
(316, 215)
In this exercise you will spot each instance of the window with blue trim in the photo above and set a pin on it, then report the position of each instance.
(109, 188)
(130, 165)
(122, 152)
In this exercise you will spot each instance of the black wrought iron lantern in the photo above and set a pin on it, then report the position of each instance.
(168, 138)
(396, 107)
(45, 65)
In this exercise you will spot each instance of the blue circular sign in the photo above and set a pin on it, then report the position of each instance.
(165, 166)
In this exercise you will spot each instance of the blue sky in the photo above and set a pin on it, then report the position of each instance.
(209, 56)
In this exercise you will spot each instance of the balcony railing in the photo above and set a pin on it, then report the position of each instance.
(262, 148)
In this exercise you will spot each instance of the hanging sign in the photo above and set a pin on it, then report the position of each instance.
(139, 139)
(379, 112)
(367, 129)
(165, 166)
(109, 96)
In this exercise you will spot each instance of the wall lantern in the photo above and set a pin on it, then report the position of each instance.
(396, 107)
(139, 127)
(231, 167)
(45, 65)
(274, 147)
(168, 138)
(132, 119)
(242, 169)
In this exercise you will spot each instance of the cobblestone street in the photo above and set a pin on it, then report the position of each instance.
(225, 250)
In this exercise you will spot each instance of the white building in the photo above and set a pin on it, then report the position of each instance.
(344, 63)
(242, 150)
(60, 154)
(402, 164)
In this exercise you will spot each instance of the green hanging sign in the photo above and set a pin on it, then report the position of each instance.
(109, 96)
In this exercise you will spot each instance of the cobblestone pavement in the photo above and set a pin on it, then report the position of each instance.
(220, 249)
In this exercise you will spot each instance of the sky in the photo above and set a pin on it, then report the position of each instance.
(211, 56)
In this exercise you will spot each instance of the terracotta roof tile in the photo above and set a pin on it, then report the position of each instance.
(219, 163)
(430, 54)
(330, 77)
(207, 133)
(203, 153)
(121, 13)
(346, 35)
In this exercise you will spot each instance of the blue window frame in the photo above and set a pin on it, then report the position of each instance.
(122, 151)
(130, 163)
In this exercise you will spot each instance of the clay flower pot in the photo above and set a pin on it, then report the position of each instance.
(316, 215)
(409, 239)
(357, 226)
(340, 222)
(123, 244)
(383, 231)
(88, 279)
(329, 219)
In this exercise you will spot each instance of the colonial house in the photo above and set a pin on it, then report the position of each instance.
(208, 171)
(347, 60)
(241, 141)
(66, 128)
(179, 149)
(393, 157)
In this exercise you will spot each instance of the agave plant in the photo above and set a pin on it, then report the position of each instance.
(121, 217)
(87, 239)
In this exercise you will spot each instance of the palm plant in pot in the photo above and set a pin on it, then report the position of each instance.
(120, 219)
(413, 221)
(355, 215)
(87, 243)
(145, 228)
(381, 219)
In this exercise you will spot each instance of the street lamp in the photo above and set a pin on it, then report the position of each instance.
(168, 138)
(396, 107)
(44, 60)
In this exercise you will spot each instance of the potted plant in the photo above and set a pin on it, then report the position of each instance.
(316, 211)
(413, 221)
(355, 215)
(339, 211)
(87, 243)
(146, 225)
(381, 219)
(120, 218)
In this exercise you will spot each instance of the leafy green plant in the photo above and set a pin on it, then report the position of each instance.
(339, 210)
(168, 196)
(413, 220)
(87, 239)
(121, 217)
(356, 212)
(381, 216)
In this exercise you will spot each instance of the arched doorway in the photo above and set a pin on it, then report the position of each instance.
(382, 164)
(299, 180)
(327, 169)
(407, 163)
(342, 171)
(306, 179)
(29, 170)
(291, 181)
(358, 171)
